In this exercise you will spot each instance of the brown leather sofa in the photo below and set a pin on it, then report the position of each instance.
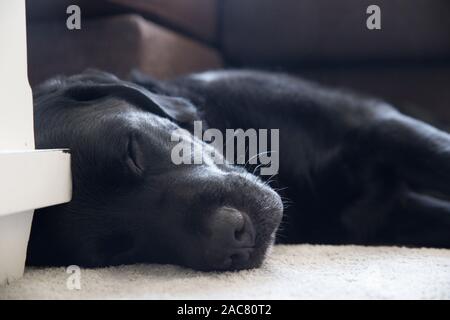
(407, 62)
(112, 38)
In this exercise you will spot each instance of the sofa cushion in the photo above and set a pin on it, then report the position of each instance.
(286, 32)
(116, 44)
(195, 18)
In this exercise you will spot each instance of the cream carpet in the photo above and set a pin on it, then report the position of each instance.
(291, 272)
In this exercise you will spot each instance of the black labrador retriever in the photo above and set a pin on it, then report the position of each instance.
(352, 170)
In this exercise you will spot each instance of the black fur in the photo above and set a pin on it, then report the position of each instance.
(352, 170)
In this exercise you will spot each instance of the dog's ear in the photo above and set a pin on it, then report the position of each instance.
(110, 147)
(178, 108)
(145, 81)
(96, 85)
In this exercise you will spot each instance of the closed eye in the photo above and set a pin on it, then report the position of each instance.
(135, 156)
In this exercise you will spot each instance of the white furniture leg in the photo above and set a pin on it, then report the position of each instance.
(29, 178)
(14, 234)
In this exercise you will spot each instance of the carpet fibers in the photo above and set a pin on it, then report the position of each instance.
(290, 272)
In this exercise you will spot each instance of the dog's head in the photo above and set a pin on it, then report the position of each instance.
(131, 203)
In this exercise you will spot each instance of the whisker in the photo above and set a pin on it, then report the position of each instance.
(259, 154)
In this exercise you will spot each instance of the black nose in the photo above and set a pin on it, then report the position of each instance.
(232, 238)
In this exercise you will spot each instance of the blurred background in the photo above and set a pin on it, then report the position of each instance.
(407, 62)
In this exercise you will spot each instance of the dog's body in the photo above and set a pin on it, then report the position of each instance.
(353, 170)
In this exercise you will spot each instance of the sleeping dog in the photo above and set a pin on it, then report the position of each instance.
(353, 170)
